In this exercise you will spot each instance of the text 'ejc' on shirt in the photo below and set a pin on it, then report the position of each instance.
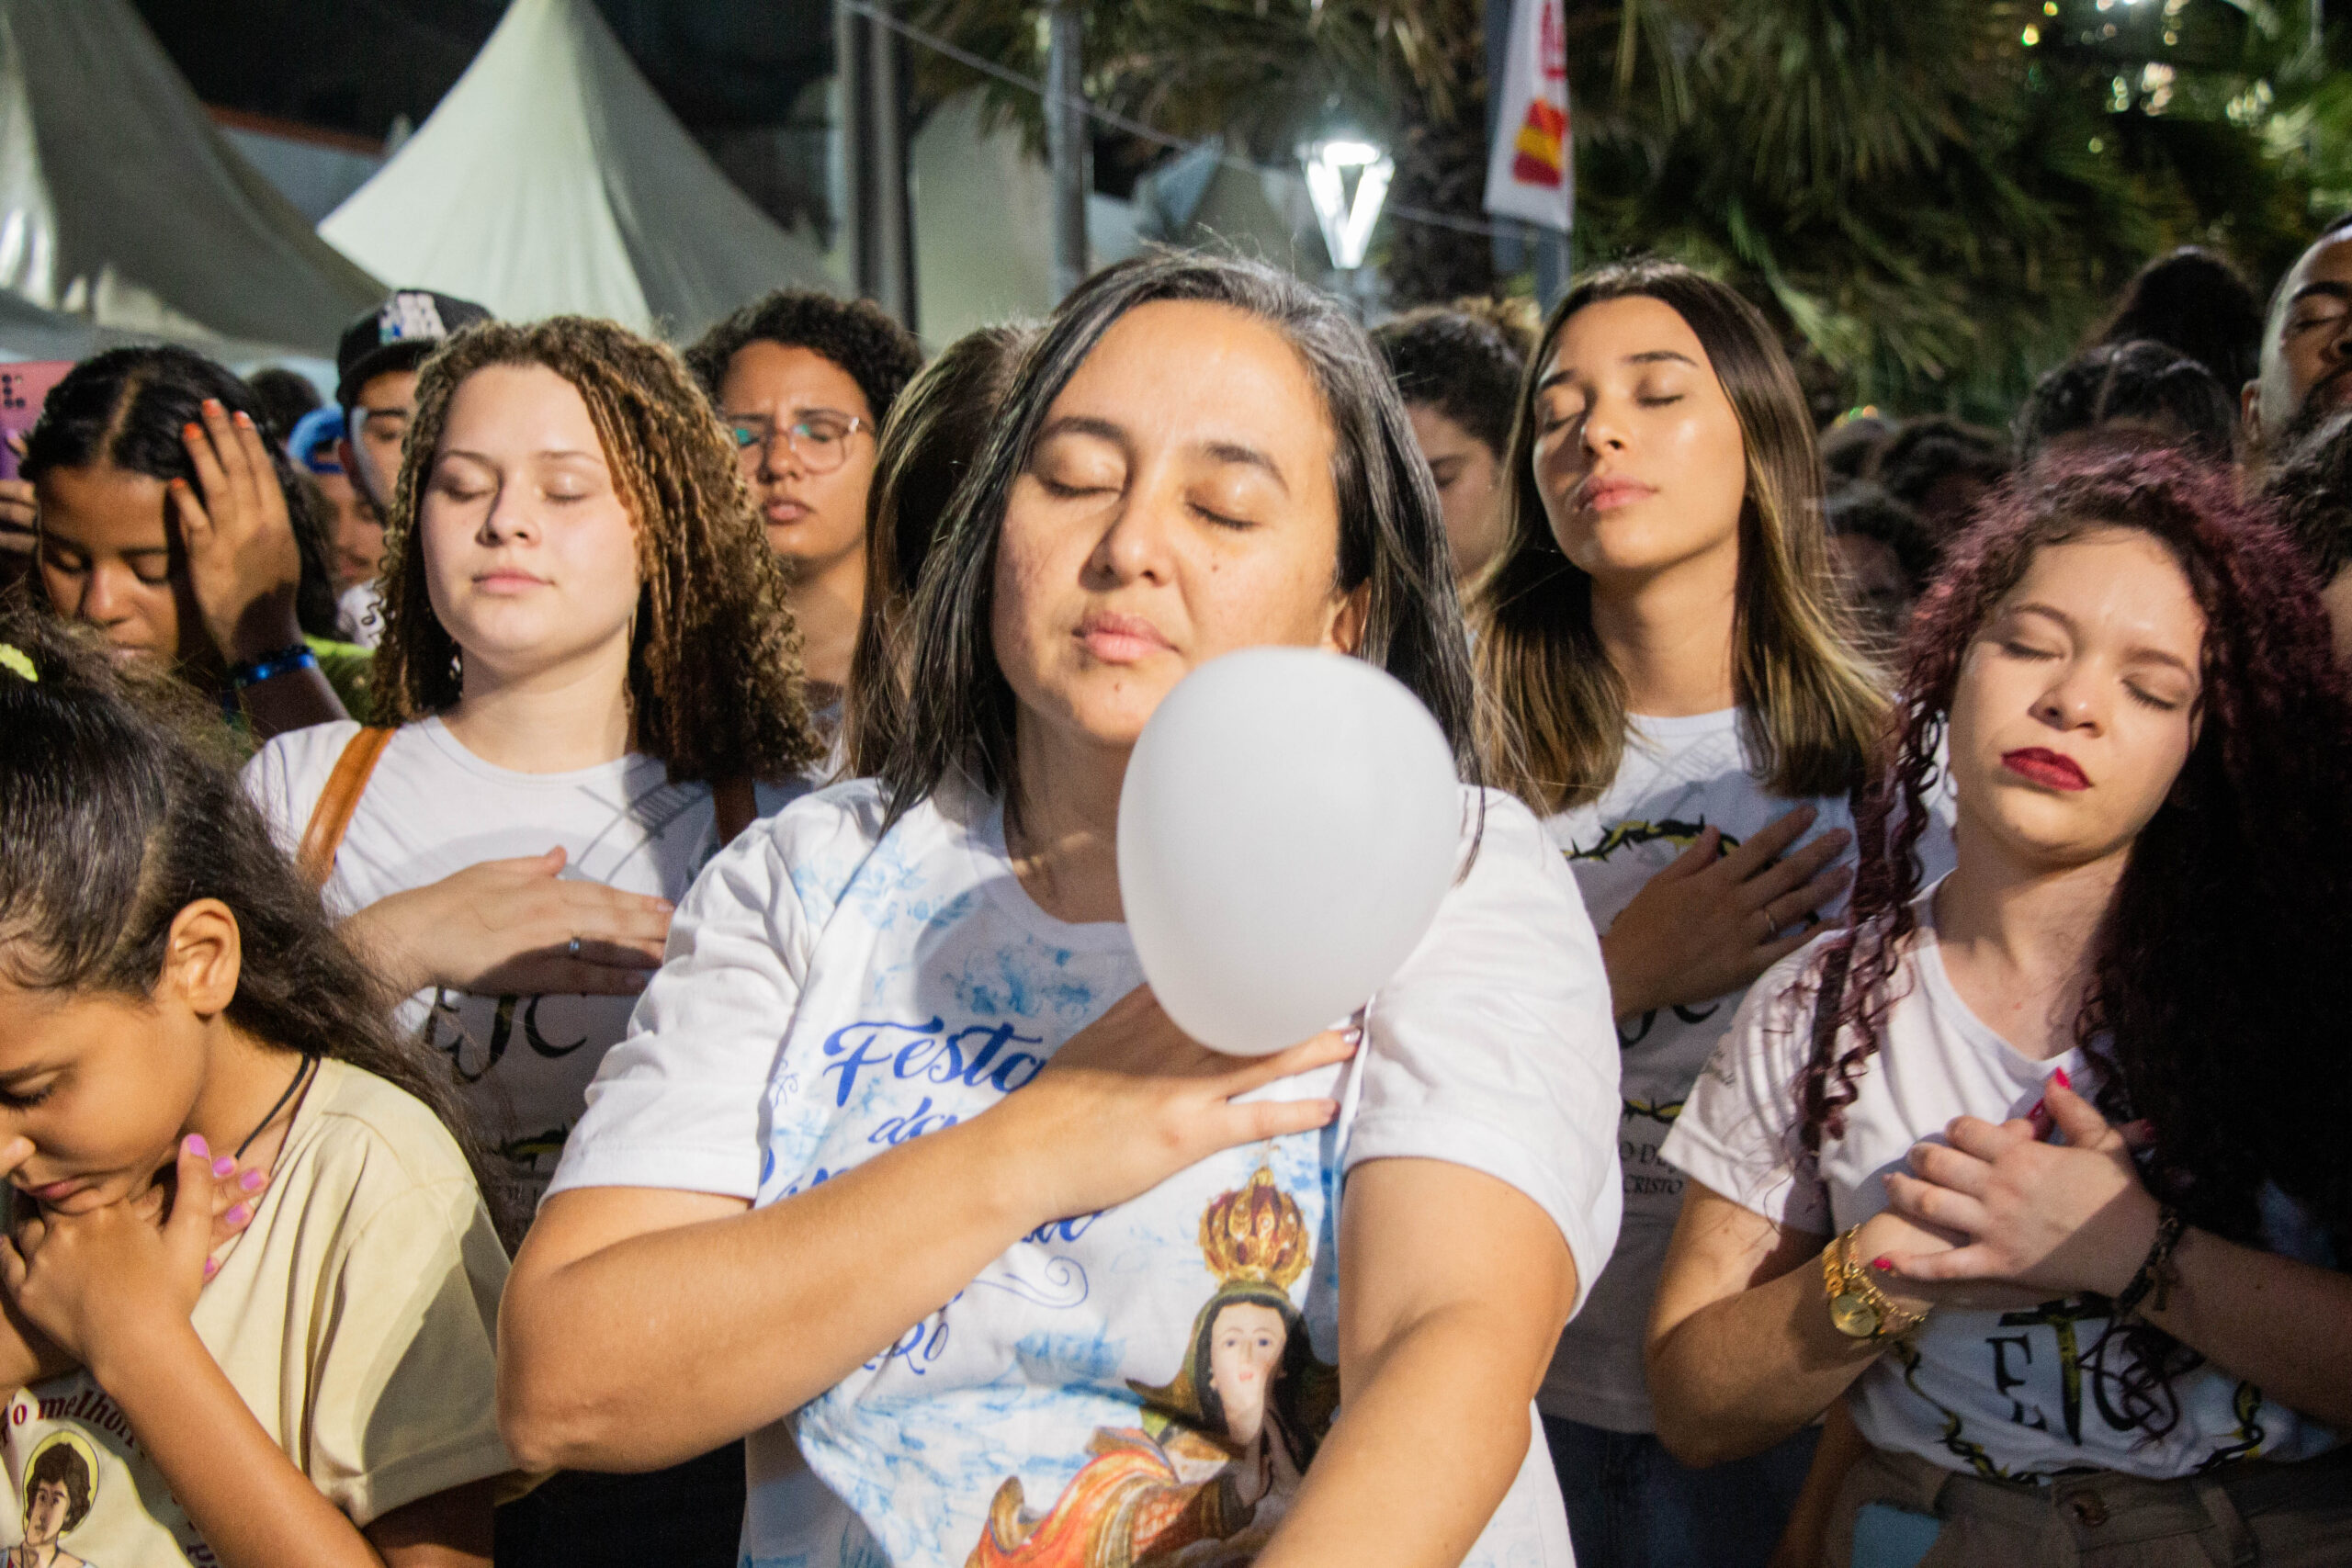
(1153, 1379)
(433, 808)
(2018, 1396)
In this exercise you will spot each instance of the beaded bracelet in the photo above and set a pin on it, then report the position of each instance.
(252, 673)
(2155, 1272)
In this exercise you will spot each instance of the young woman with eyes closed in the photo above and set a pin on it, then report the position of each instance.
(290, 1367)
(1199, 456)
(2039, 1168)
(167, 521)
(586, 648)
(1666, 682)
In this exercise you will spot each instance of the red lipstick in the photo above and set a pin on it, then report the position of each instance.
(2046, 768)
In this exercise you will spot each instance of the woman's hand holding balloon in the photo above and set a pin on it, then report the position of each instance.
(1130, 1100)
(1710, 923)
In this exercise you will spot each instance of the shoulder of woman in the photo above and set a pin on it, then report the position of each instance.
(372, 1144)
(288, 774)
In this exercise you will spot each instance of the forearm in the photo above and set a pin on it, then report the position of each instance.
(1740, 1374)
(2283, 1326)
(241, 1491)
(295, 700)
(735, 1322)
(1420, 1454)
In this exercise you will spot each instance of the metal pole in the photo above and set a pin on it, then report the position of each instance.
(893, 215)
(855, 131)
(1066, 141)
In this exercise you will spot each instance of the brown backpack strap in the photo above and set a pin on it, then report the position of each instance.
(736, 805)
(324, 835)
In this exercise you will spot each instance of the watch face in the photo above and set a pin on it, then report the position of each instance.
(1853, 1315)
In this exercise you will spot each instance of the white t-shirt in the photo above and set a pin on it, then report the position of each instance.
(2012, 1396)
(832, 991)
(433, 808)
(1678, 777)
(359, 615)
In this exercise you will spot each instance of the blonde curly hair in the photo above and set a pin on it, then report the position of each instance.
(715, 683)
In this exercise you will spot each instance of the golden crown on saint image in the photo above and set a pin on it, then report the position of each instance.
(1255, 1234)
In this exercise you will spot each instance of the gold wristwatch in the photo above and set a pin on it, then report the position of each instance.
(1858, 1308)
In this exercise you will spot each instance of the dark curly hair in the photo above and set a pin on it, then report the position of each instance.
(1464, 362)
(119, 807)
(2142, 383)
(875, 351)
(2310, 489)
(2236, 900)
(125, 407)
(714, 676)
(2193, 302)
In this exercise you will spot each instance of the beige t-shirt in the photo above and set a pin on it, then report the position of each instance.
(356, 1314)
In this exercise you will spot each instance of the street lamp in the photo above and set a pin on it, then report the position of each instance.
(1347, 220)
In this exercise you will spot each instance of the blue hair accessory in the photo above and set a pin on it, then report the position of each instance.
(18, 662)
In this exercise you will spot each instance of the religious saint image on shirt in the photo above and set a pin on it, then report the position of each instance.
(58, 1487)
(1222, 1445)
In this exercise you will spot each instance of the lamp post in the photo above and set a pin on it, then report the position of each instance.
(1347, 217)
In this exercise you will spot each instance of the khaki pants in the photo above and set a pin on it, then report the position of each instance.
(2250, 1514)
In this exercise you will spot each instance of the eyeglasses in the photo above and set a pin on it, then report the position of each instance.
(819, 440)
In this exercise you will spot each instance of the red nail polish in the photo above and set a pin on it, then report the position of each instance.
(2059, 1078)
(190, 432)
(1883, 1265)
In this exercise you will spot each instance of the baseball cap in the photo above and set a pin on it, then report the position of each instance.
(399, 334)
(312, 444)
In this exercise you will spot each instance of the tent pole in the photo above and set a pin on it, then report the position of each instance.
(1066, 142)
(893, 209)
(852, 131)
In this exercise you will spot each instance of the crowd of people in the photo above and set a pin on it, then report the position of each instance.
(528, 892)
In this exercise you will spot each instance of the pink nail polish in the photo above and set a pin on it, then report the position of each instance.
(2058, 1076)
(238, 1215)
(223, 1166)
(211, 1267)
(197, 1145)
(251, 1181)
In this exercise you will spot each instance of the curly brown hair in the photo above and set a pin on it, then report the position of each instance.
(715, 683)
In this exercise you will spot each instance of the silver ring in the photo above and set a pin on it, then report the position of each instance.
(573, 951)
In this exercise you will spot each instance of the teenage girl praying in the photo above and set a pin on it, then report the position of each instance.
(307, 1379)
(1673, 687)
(2039, 1168)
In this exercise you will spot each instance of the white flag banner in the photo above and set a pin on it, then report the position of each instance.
(1531, 174)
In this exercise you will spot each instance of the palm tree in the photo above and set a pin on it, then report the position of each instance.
(1932, 198)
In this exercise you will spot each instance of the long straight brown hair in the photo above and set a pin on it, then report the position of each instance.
(1552, 708)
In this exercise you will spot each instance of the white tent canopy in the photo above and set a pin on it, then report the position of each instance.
(121, 204)
(553, 179)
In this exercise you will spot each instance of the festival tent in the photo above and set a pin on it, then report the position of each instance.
(121, 204)
(553, 179)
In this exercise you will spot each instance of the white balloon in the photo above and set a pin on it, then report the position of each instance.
(1289, 822)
